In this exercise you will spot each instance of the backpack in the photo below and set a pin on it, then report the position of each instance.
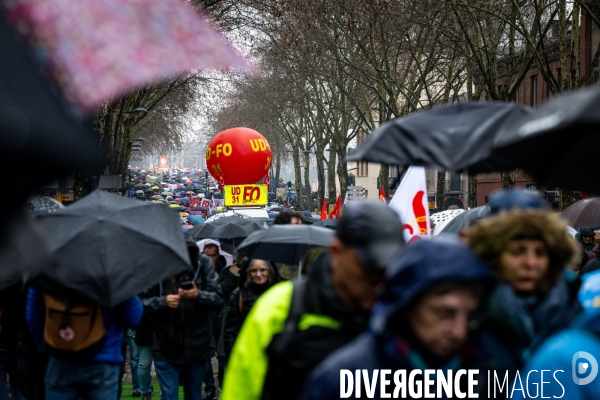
(73, 328)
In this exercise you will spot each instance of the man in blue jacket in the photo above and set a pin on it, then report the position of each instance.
(93, 377)
(424, 322)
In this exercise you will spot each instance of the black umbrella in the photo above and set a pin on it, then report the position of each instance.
(109, 248)
(36, 131)
(583, 213)
(465, 219)
(226, 228)
(285, 243)
(307, 219)
(23, 250)
(328, 223)
(559, 141)
(454, 137)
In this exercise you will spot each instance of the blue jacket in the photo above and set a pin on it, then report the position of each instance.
(418, 267)
(558, 353)
(589, 293)
(127, 314)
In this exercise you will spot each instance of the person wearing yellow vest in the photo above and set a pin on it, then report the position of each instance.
(295, 325)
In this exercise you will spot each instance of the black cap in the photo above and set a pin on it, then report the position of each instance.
(374, 230)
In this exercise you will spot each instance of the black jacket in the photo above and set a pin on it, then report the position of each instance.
(220, 265)
(184, 334)
(228, 282)
(235, 318)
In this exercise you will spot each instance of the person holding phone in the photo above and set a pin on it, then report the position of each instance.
(180, 310)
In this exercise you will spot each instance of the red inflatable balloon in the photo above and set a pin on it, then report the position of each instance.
(238, 156)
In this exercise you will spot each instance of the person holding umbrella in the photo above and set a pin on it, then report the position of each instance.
(180, 309)
(295, 325)
(94, 371)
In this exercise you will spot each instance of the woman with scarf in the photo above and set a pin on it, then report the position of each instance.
(528, 250)
(255, 278)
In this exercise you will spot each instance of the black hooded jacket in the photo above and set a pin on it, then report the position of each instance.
(183, 334)
(220, 265)
(305, 348)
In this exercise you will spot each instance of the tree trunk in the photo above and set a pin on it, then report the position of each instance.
(320, 180)
(439, 191)
(320, 160)
(507, 179)
(384, 179)
(77, 187)
(297, 175)
(565, 199)
(331, 168)
(472, 191)
(342, 168)
(307, 188)
(277, 169)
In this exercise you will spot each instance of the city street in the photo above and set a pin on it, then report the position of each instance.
(299, 199)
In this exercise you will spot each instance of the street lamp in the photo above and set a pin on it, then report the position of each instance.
(135, 111)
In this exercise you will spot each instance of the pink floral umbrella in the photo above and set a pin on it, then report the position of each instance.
(98, 49)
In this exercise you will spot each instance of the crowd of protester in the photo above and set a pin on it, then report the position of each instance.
(501, 297)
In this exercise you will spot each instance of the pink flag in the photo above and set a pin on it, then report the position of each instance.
(98, 49)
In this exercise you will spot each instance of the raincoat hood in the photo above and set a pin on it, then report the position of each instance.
(417, 268)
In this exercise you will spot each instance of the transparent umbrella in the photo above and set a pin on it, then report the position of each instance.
(99, 49)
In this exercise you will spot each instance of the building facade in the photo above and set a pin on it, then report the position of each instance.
(533, 91)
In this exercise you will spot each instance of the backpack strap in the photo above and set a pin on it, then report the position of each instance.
(281, 343)
(240, 301)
